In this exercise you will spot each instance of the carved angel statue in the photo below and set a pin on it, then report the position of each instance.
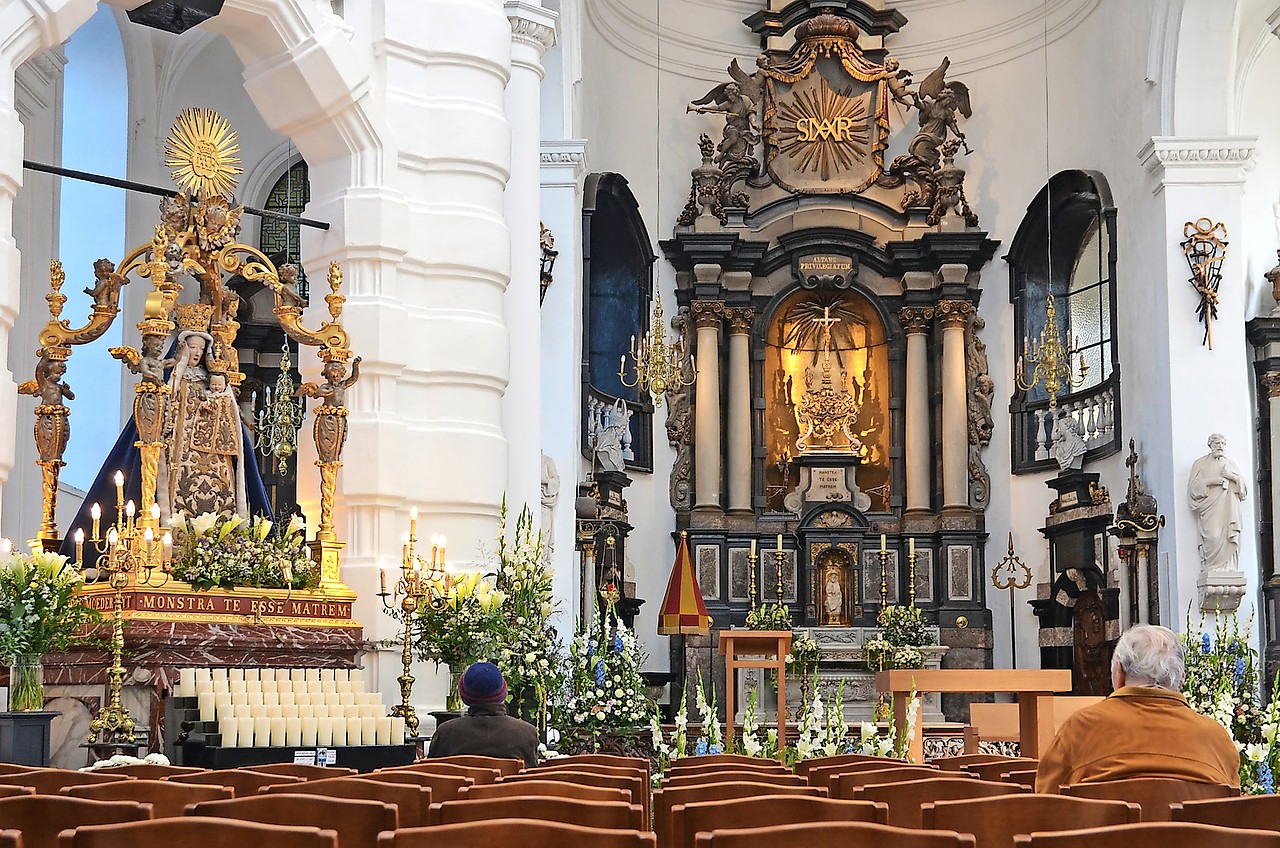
(106, 286)
(150, 364)
(938, 100)
(898, 81)
(288, 291)
(48, 385)
(333, 391)
(736, 100)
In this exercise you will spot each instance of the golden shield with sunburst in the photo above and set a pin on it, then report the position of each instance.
(201, 151)
(822, 135)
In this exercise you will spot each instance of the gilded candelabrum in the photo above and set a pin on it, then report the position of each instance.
(129, 554)
(280, 416)
(657, 362)
(884, 572)
(53, 418)
(1051, 357)
(752, 560)
(422, 581)
(911, 571)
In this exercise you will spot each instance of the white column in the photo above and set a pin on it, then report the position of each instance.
(563, 167)
(706, 405)
(1271, 381)
(953, 315)
(1194, 177)
(915, 321)
(739, 417)
(533, 31)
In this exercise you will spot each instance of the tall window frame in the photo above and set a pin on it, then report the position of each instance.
(1066, 246)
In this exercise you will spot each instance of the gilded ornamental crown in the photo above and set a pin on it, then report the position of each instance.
(194, 317)
(827, 25)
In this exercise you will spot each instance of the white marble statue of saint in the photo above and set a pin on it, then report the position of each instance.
(1215, 491)
(1068, 447)
(550, 496)
(833, 600)
(203, 465)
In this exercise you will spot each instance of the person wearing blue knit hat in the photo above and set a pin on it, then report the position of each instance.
(486, 729)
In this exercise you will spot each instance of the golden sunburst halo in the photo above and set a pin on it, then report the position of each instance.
(201, 150)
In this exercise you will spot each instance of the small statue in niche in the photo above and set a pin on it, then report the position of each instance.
(1216, 490)
(1068, 446)
(832, 597)
(609, 449)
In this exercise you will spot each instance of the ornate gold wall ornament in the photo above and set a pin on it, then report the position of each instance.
(826, 411)
(824, 131)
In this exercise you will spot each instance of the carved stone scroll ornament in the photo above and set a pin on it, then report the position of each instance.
(680, 421)
(981, 420)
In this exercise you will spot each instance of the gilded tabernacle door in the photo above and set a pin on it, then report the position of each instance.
(826, 373)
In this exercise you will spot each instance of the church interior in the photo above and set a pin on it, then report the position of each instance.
(756, 355)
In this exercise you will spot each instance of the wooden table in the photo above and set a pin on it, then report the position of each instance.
(1034, 688)
(755, 649)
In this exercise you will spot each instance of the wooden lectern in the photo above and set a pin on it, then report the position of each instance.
(755, 649)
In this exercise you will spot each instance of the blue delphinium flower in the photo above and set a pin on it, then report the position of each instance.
(1239, 670)
(701, 748)
(1205, 642)
(1265, 779)
(715, 749)
(617, 643)
(600, 673)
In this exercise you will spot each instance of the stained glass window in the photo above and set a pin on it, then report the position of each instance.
(289, 195)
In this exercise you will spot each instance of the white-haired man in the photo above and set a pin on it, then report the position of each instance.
(1144, 728)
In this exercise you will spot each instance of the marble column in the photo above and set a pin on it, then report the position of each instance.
(533, 31)
(915, 321)
(953, 315)
(739, 412)
(706, 404)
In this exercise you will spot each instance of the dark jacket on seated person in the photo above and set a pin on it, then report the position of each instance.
(1139, 732)
(488, 731)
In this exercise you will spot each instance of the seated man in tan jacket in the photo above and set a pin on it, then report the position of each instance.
(1144, 728)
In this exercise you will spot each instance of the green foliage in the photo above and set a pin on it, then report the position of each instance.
(40, 610)
(769, 617)
(229, 552)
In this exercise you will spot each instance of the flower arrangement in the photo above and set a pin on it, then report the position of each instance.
(40, 612)
(711, 741)
(528, 650)
(605, 691)
(213, 551)
(465, 628)
(1223, 682)
(903, 633)
(769, 617)
(824, 731)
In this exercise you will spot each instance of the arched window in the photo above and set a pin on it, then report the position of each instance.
(617, 273)
(1066, 246)
(289, 195)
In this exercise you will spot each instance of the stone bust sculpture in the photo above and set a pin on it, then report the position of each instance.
(1215, 491)
(1068, 447)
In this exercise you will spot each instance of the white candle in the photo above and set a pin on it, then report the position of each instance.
(397, 730)
(324, 731)
(271, 699)
(283, 674)
(230, 730)
(328, 687)
(338, 737)
(289, 710)
(235, 674)
(203, 686)
(312, 674)
(355, 730)
(306, 711)
(237, 687)
(242, 711)
(218, 674)
(208, 710)
(369, 730)
(356, 674)
(253, 686)
(302, 699)
(297, 675)
(327, 674)
(270, 686)
(187, 679)
(292, 731)
(342, 674)
(273, 711)
(257, 710)
(308, 727)
(286, 699)
(222, 704)
(251, 674)
(277, 732)
(384, 730)
(221, 687)
(204, 674)
(321, 711)
(261, 731)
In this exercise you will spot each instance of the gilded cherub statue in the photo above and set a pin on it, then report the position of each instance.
(288, 291)
(150, 364)
(333, 391)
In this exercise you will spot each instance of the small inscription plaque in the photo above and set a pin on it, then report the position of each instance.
(827, 484)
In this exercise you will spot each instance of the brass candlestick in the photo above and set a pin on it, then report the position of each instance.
(421, 581)
(129, 553)
(753, 560)
(884, 575)
(911, 571)
(777, 562)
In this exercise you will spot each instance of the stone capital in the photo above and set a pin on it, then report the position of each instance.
(1271, 382)
(740, 319)
(1198, 160)
(707, 313)
(953, 313)
(531, 24)
(915, 319)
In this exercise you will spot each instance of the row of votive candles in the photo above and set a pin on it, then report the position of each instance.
(216, 706)
(193, 681)
(263, 732)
